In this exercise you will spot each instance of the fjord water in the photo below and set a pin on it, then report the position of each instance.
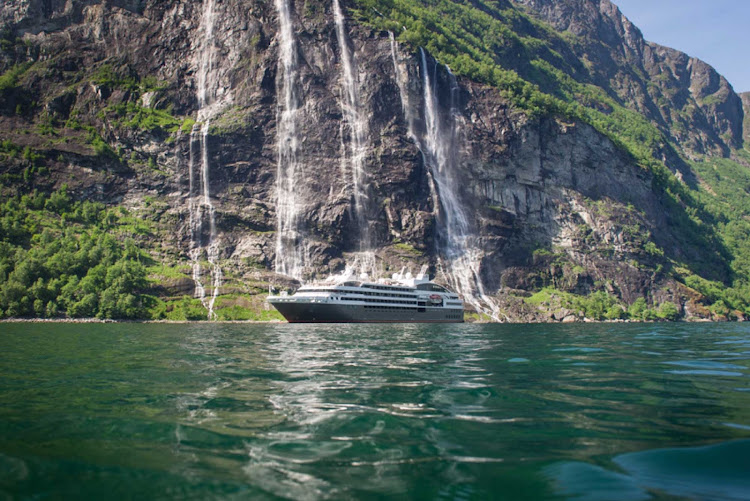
(463, 411)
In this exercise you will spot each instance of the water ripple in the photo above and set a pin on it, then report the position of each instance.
(372, 412)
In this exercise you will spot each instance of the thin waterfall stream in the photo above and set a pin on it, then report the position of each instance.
(290, 250)
(354, 158)
(196, 224)
(199, 204)
(458, 246)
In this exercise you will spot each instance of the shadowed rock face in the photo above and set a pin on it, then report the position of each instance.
(527, 185)
(687, 98)
(745, 96)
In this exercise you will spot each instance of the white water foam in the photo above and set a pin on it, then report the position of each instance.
(458, 242)
(354, 153)
(199, 202)
(291, 253)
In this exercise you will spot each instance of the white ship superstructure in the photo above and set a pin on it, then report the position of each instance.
(402, 298)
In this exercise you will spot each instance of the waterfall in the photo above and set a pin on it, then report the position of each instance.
(354, 117)
(290, 251)
(402, 80)
(457, 240)
(213, 242)
(196, 224)
(199, 203)
(206, 58)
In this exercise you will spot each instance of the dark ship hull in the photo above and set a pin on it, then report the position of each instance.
(296, 312)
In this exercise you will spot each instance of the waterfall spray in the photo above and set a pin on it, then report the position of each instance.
(196, 224)
(290, 251)
(199, 204)
(364, 259)
(458, 245)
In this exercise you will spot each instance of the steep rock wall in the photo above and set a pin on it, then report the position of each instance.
(551, 202)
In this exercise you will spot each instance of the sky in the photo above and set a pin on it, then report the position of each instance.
(716, 31)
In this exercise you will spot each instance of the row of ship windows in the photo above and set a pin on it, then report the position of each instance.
(383, 294)
(421, 287)
(390, 301)
(393, 301)
(454, 317)
(358, 292)
(373, 307)
(366, 293)
(384, 288)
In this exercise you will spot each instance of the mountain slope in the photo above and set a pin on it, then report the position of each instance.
(686, 98)
(565, 154)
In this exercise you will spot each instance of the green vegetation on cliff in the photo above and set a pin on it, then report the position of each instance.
(58, 257)
(9, 79)
(61, 258)
(601, 306)
(725, 193)
(137, 117)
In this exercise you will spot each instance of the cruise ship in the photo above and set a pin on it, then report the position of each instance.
(402, 298)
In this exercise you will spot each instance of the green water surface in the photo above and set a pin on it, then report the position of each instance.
(463, 411)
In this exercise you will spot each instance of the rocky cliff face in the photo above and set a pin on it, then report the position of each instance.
(745, 96)
(514, 204)
(684, 96)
